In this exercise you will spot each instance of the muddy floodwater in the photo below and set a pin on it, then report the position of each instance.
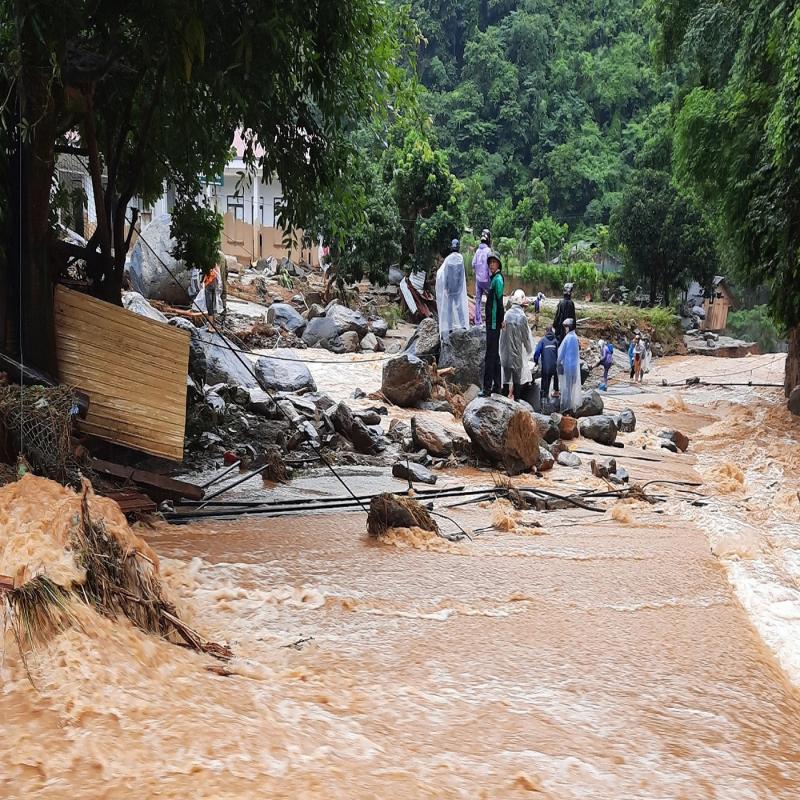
(651, 651)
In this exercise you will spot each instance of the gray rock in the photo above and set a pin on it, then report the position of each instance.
(546, 460)
(198, 365)
(259, 402)
(668, 445)
(600, 428)
(585, 372)
(286, 316)
(503, 432)
(425, 341)
(436, 405)
(351, 427)
(414, 472)
(149, 276)
(567, 459)
(396, 276)
(470, 393)
(548, 426)
(793, 403)
(431, 436)
(216, 405)
(358, 394)
(304, 405)
(380, 327)
(350, 342)
(626, 421)
(368, 417)
(347, 320)
(134, 302)
(399, 431)
(225, 362)
(315, 310)
(283, 373)
(591, 405)
(369, 343)
(680, 440)
(406, 381)
(322, 332)
(465, 353)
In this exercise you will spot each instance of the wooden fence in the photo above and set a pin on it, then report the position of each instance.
(133, 369)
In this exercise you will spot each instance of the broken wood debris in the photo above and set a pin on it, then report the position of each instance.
(162, 486)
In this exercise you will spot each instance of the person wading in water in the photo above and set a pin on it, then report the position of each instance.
(492, 380)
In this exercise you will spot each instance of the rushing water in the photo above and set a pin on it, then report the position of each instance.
(600, 656)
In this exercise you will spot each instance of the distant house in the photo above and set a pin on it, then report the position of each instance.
(716, 304)
(250, 207)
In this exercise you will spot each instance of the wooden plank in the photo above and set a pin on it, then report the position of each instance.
(179, 489)
(132, 368)
(132, 502)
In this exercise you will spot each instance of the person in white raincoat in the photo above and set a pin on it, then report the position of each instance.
(516, 346)
(568, 366)
(451, 293)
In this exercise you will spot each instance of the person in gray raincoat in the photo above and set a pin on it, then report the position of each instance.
(516, 346)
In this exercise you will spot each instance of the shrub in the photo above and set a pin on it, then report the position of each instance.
(755, 325)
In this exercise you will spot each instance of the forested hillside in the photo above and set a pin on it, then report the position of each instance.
(540, 103)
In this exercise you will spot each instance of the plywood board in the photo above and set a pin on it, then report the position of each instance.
(133, 369)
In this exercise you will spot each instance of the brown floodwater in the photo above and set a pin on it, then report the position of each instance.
(599, 656)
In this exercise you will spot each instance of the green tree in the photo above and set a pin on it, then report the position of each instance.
(155, 92)
(427, 194)
(737, 136)
(664, 235)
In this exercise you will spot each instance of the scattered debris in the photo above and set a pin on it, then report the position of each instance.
(388, 511)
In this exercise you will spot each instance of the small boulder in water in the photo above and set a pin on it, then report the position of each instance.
(388, 511)
(601, 428)
(591, 405)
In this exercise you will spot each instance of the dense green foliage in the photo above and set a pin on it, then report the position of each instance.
(155, 91)
(538, 102)
(755, 325)
(737, 131)
(197, 230)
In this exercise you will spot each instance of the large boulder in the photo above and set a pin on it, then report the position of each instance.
(600, 428)
(406, 381)
(503, 432)
(431, 436)
(322, 332)
(794, 401)
(591, 405)
(133, 301)
(347, 320)
(282, 372)
(225, 362)
(152, 262)
(465, 354)
(285, 316)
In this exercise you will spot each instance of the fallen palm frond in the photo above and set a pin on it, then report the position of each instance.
(124, 581)
(120, 580)
(394, 511)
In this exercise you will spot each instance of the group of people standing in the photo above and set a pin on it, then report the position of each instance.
(509, 342)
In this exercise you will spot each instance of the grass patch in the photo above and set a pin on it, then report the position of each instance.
(617, 323)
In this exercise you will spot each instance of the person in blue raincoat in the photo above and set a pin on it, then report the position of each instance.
(568, 365)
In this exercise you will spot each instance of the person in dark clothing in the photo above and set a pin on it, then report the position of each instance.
(547, 351)
(495, 311)
(565, 310)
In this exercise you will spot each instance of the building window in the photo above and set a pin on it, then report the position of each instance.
(236, 204)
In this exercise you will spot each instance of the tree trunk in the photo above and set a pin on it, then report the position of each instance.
(792, 377)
